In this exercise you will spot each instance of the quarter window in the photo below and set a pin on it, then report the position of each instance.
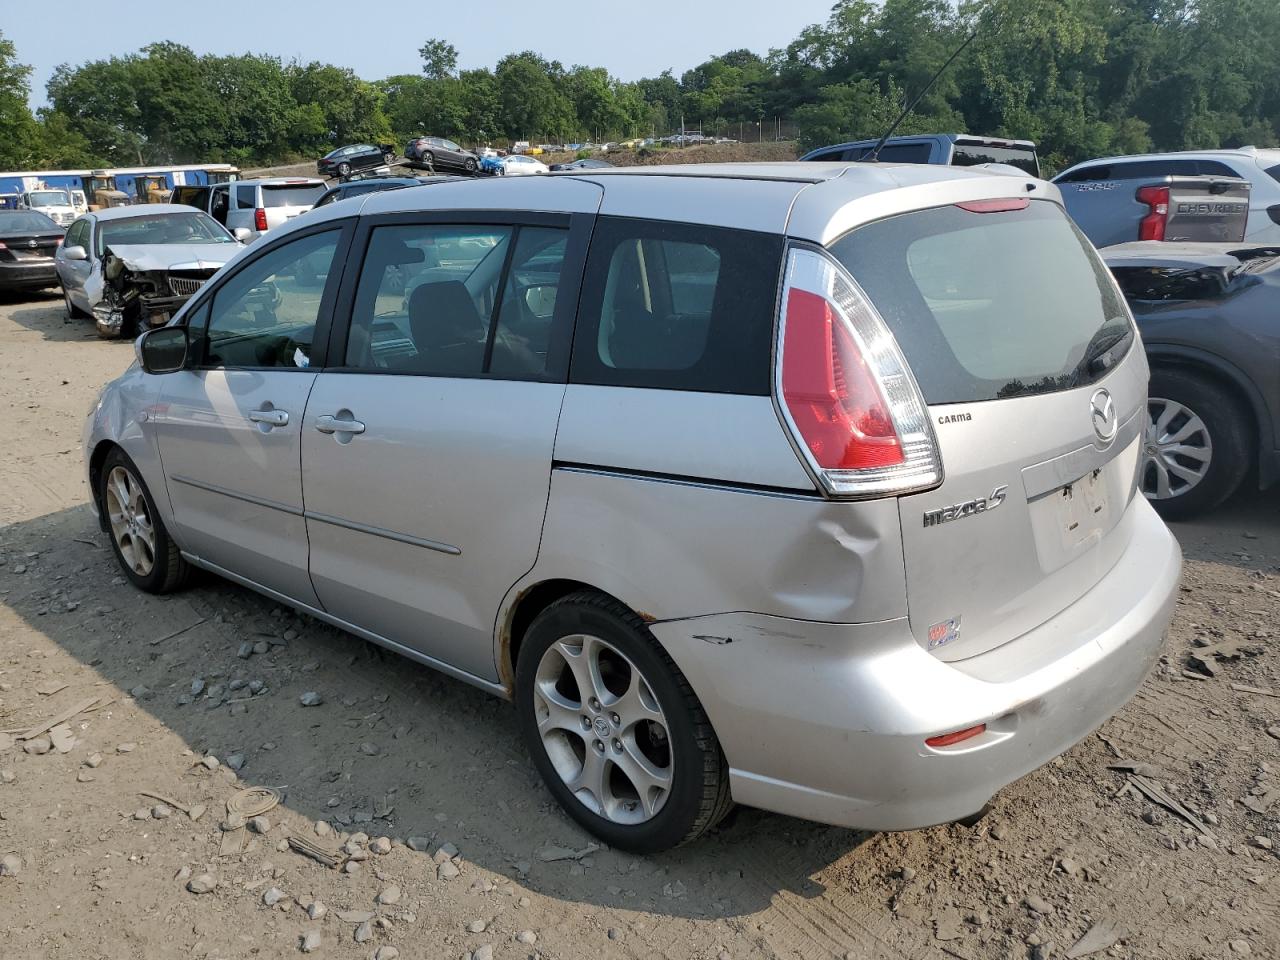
(677, 307)
(246, 198)
(265, 315)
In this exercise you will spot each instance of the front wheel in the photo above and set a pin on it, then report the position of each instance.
(142, 545)
(615, 729)
(1196, 450)
(470, 165)
(73, 312)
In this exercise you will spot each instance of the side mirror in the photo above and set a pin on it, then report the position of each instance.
(163, 350)
(243, 234)
(75, 252)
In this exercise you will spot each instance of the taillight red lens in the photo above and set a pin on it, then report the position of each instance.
(1002, 205)
(832, 396)
(260, 219)
(1152, 225)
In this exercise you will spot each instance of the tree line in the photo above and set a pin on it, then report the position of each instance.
(1082, 78)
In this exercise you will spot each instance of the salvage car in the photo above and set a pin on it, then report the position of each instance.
(346, 160)
(356, 188)
(28, 241)
(132, 268)
(586, 163)
(441, 154)
(1207, 313)
(808, 486)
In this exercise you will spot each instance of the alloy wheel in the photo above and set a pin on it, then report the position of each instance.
(130, 521)
(603, 729)
(1177, 450)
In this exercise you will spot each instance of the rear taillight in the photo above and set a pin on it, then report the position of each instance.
(1153, 224)
(845, 390)
(260, 219)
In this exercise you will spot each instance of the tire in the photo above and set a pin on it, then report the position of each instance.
(167, 571)
(646, 719)
(344, 169)
(1197, 448)
(73, 312)
(469, 165)
(428, 158)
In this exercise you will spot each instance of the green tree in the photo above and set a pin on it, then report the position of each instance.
(19, 132)
(532, 104)
(439, 59)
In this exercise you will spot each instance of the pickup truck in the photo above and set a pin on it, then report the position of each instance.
(948, 149)
(1194, 208)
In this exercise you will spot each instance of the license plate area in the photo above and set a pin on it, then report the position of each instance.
(1084, 510)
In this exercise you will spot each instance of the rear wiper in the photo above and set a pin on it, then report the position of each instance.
(1098, 351)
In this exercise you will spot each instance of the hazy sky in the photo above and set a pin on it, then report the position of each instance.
(633, 38)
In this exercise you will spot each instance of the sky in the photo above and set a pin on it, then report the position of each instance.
(632, 38)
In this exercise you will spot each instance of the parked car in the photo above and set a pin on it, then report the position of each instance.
(1143, 207)
(441, 154)
(131, 268)
(347, 160)
(868, 584)
(584, 164)
(492, 166)
(57, 205)
(253, 205)
(1260, 167)
(954, 149)
(28, 241)
(1207, 313)
(520, 165)
(356, 188)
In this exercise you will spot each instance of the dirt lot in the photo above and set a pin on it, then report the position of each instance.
(396, 751)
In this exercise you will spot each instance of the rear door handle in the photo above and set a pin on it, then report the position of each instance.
(328, 424)
(273, 418)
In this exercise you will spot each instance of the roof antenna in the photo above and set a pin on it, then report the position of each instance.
(873, 155)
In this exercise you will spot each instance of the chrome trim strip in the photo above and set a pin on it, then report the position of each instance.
(383, 532)
(259, 501)
(497, 689)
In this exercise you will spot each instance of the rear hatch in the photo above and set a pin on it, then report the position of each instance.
(1024, 353)
(1199, 208)
(284, 201)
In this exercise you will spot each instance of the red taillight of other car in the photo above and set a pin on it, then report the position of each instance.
(260, 220)
(1157, 200)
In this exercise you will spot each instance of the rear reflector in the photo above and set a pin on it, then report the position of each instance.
(844, 388)
(1152, 225)
(1003, 205)
(950, 739)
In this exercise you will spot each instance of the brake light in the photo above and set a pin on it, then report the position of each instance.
(1002, 205)
(1153, 224)
(845, 390)
(260, 220)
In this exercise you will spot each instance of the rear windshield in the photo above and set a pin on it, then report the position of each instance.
(1274, 172)
(972, 154)
(291, 196)
(991, 305)
(22, 221)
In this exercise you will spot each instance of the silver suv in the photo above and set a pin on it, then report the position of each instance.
(805, 486)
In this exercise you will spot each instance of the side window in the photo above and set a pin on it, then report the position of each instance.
(246, 198)
(265, 315)
(457, 300)
(828, 156)
(1087, 174)
(678, 307)
(78, 235)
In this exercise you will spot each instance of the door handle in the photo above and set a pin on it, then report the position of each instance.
(328, 424)
(273, 418)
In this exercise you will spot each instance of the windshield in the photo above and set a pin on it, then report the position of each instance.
(26, 221)
(972, 154)
(49, 198)
(292, 195)
(991, 305)
(194, 227)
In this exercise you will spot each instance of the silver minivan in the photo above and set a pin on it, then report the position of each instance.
(810, 487)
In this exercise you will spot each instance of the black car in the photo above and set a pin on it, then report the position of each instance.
(28, 241)
(357, 156)
(1208, 317)
(585, 164)
(441, 154)
(354, 188)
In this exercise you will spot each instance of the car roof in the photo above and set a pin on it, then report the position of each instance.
(141, 210)
(1264, 152)
(279, 182)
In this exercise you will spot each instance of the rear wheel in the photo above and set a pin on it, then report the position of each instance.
(470, 165)
(142, 545)
(344, 169)
(614, 728)
(428, 158)
(1196, 450)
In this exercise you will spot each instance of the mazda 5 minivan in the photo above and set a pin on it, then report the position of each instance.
(811, 487)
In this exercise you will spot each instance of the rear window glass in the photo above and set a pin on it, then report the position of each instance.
(1274, 172)
(291, 196)
(971, 154)
(991, 305)
(677, 307)
(22, 221)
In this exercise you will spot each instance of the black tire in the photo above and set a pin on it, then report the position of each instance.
(344, 169)
(470, 165)
(699, 795)
(428, 158)
(1227, 424)
(73, 312)
(169, 571)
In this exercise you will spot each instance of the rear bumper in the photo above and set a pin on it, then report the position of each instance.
(828, 721)
(27, 274)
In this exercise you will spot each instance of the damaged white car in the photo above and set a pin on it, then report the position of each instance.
(131, 268)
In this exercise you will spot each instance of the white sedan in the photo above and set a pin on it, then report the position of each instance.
(518, 165)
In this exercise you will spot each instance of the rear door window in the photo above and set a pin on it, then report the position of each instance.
(991, 305)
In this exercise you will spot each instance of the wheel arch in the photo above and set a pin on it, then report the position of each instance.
(1224, 373)
(96, 459)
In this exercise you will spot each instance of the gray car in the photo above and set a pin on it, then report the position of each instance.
(804, 486)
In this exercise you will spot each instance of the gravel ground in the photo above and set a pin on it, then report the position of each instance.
(453, 849)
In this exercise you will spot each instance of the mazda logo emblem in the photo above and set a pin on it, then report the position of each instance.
(1102, 411)
(32, 244)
